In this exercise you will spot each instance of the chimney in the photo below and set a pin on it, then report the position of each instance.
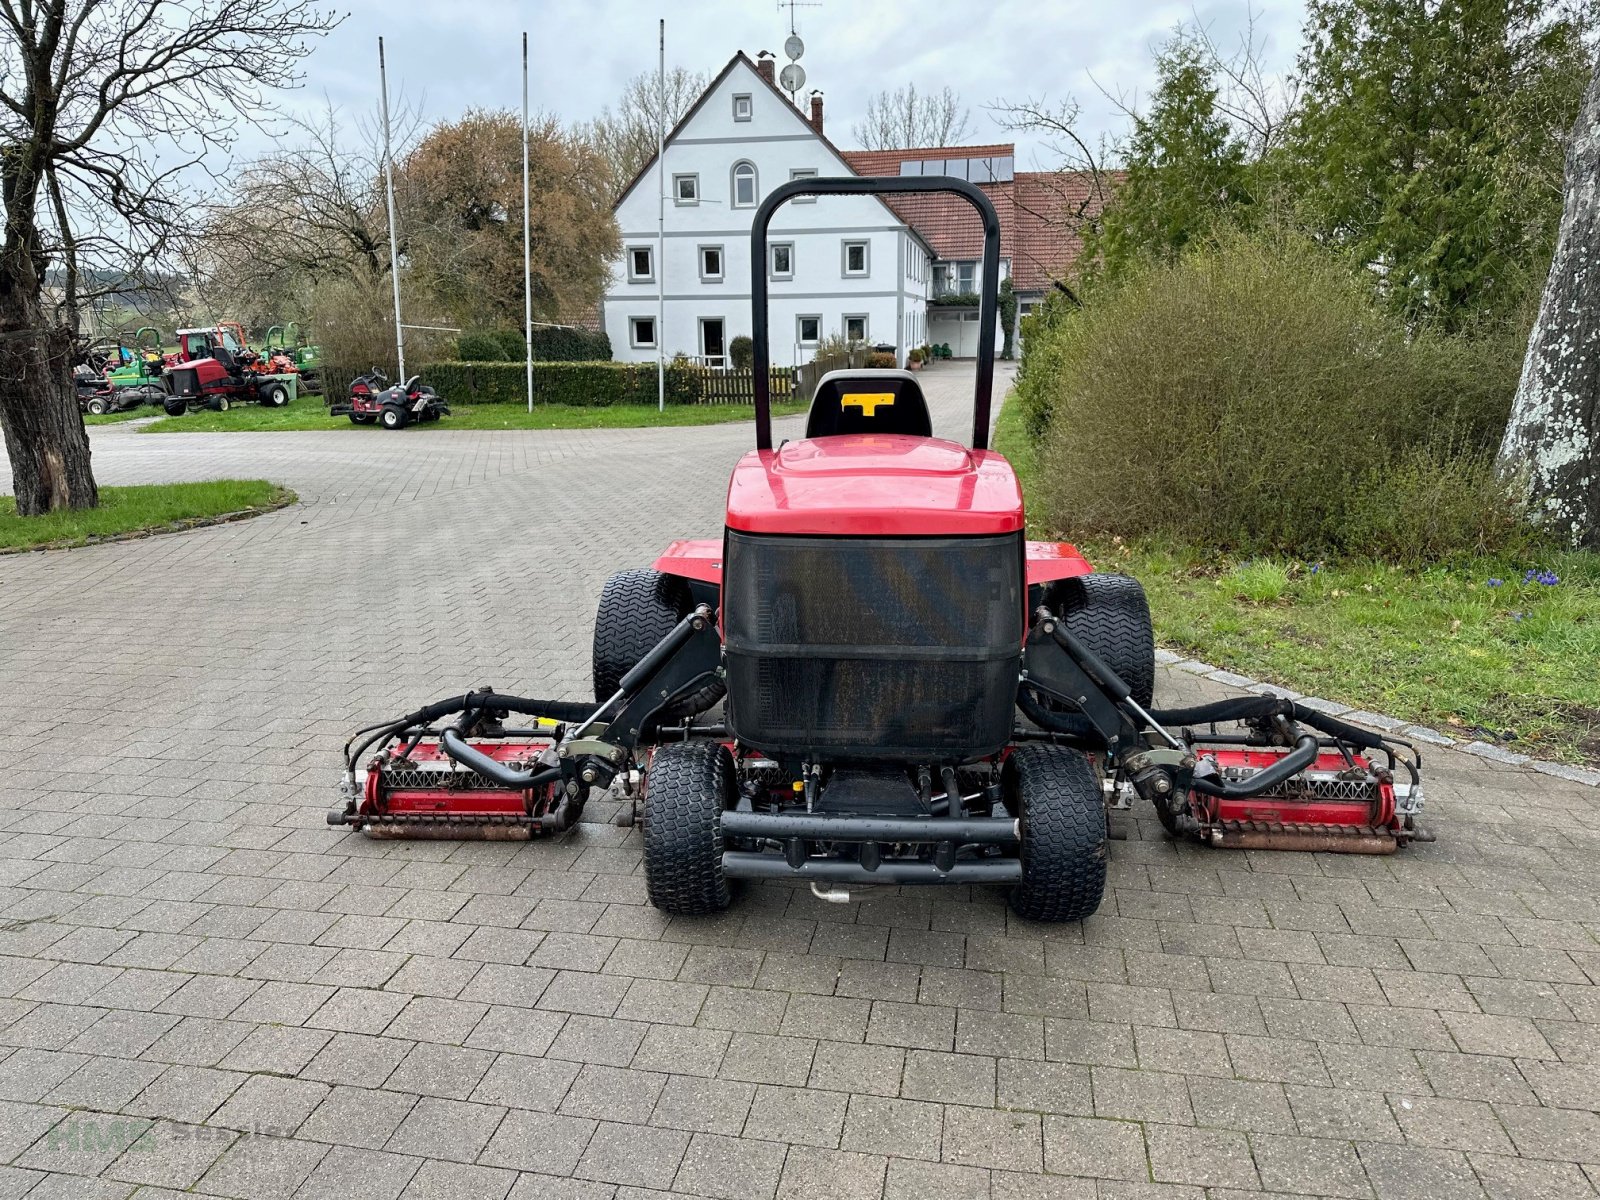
(816, 112)
(765, 65)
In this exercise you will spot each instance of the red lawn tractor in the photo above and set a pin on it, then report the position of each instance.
(373, 400)
(216, 372)
(911, 692)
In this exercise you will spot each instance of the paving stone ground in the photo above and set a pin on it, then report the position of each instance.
(206, 991)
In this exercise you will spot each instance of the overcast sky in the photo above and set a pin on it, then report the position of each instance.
(449, 57)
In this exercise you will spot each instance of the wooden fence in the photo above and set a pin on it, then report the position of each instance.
(716, 386)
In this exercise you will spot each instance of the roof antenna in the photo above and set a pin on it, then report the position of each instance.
(793, 76)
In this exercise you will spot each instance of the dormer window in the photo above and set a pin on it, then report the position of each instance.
(742, 106)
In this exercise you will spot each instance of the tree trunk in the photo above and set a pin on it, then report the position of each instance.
(1552, 441)
(39, 420)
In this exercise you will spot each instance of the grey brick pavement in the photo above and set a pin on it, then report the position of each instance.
(206, 991)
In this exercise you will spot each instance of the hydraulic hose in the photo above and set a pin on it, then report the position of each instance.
(1306, 749)
(457, 748)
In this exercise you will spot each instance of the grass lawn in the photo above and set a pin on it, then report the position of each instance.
(1477, 649)
(133, 511)
(301, 415)
(116, 418)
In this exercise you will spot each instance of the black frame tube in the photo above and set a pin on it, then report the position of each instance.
(988, 300)
(819, 827)
(738, 864)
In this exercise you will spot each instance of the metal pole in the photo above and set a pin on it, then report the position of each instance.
(388, 193)
(527, 243)
(661, 223)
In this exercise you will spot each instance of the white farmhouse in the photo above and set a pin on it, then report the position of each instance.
(845, 265)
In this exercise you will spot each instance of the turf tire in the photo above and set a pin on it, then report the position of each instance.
(1110, 615)
(392, 417)
(688, 786)
(637, 609)
(175, 408)
(99, 406)
(1056, 795)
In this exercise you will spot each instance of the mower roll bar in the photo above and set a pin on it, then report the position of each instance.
(988, 301)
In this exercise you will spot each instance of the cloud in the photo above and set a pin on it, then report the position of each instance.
(447, 58)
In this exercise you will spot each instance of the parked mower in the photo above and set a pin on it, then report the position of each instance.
(114, 376)
(210, 372)
(913, 693)
(373, 399)
(307, 359)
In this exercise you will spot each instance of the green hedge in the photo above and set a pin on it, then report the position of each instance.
(586, 384)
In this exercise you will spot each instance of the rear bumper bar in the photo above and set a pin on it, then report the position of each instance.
(820, 827)
(741, 865)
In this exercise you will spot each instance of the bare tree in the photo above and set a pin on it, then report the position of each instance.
(108, 105)
(1552, 442)
(1071, 197)
(905, 118)
(308, 212)
(1258, 104)
(626, 136)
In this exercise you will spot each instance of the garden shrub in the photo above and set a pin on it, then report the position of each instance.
(513, 346)
(741, 352)
(878, 360)
(550, 344)
(481, 346)
(1252, 397)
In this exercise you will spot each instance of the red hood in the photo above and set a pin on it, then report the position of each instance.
(874, 484)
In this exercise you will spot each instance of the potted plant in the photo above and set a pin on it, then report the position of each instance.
(914, 359)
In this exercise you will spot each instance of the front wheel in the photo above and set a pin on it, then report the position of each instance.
(1110, 615)
(1056, 795)
(637, 609)
(99, 406)
(219, 404)
(392, 417)
(175, 408)
(275, 396)
(687, 788)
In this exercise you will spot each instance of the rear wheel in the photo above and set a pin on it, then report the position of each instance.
(392, 417)
(1109, 614)
(1056, 795)
(638, 609)
(219, 404)
(275, 396)
(688, 786)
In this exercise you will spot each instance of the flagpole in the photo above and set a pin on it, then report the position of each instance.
(527, 242)
(388, 193)
(661, 223)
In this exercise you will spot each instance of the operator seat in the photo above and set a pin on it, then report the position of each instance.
(868, 401)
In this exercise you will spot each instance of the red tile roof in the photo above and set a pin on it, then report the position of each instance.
(1040, 212)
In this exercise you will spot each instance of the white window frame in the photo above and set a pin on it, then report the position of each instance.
(749, 106)
(650, 257)
(802, 173)
(844, 258)
(722, 263)
(972, 283)
(677, 183)
(799, 328)
(733, 185)
(633, 333)
(772, 260)
(866, 326)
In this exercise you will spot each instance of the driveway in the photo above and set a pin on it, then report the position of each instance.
(204, 988)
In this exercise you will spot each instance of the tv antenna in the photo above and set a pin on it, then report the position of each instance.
(793, 76)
